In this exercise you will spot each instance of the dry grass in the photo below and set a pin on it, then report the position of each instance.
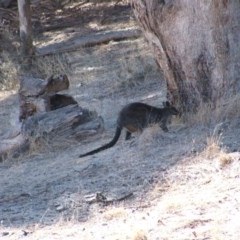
(9, 66)
(140, 235)
(51, 65)
(40, 143)
(225, 159)
(212, 147)
(8, 74)
(229, 110)
(215, 152)
(130, 75)
(115, 213)
(224, 111)
(150, 135)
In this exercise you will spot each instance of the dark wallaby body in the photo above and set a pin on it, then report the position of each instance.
(137, 116)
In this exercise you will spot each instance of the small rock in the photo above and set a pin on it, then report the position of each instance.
(60, 208)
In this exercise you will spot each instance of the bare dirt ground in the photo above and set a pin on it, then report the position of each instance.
(183, 184)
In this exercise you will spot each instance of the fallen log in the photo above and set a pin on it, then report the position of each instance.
(88, 41)
(70, 122)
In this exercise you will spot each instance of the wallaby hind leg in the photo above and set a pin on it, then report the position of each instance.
(164, 127)
(128, 135)
(163, 124)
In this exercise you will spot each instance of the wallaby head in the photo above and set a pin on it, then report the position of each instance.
(166, 115)
(137, 116)
(170, 108)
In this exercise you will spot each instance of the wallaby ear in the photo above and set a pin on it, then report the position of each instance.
(166, 104)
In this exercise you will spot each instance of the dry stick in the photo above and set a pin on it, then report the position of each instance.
(8, 10)
(81, 4)
(99, 197)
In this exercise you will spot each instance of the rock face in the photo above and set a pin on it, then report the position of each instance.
(46, 114)
(39, 95)
(196, 44)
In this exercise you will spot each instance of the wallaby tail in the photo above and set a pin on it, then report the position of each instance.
(106, 146)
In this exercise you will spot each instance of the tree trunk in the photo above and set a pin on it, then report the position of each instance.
(25, 27)
(196, 44)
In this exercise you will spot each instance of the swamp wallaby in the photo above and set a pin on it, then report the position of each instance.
(137, 116)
